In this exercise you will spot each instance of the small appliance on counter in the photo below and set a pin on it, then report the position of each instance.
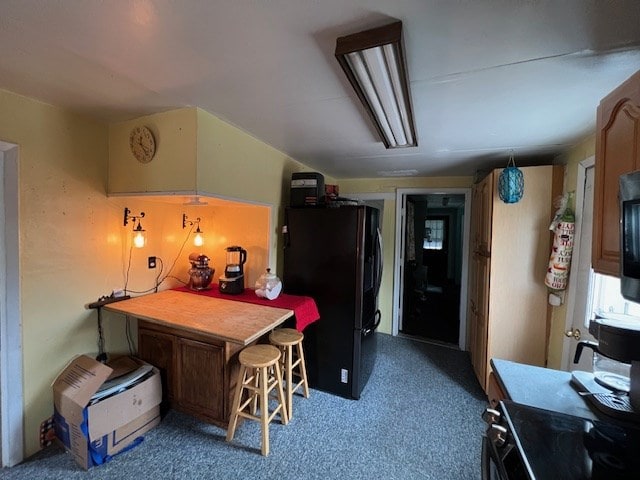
(268, 285)
(307, 189)
(233, 280)
(611, 387)
(200, 274)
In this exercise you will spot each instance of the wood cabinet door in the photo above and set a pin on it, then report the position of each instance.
(486, 212)
(617, 152)
(482, 337)
(478, 314)
(159, 349)
(201, 379)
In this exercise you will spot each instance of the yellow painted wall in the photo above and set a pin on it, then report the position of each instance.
(70, 242)
(173, 168)
(571, 159)
(222, 223)
(385, 301)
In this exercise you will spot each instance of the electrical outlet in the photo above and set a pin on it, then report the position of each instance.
(152, 262)
(344, 375)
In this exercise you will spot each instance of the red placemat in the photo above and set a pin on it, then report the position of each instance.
(304, 308)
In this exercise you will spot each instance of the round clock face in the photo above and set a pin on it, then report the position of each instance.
(142, 143)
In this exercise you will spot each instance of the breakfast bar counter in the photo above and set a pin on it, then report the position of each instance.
(194, 340)
(226, 320)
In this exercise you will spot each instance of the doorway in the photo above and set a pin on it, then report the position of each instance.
(433, 265)
(11, 394)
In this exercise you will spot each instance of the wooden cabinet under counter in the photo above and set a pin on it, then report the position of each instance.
(194, 341)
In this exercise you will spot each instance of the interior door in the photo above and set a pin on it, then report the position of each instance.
(583, 278)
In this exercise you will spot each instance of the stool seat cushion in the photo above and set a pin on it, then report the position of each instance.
(259, 355)
(285, 336)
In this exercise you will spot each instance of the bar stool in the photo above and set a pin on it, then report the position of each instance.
(292, 363)
(259, 375)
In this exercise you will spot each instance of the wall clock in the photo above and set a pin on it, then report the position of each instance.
(143, 144)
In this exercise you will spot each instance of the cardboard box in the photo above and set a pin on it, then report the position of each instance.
(95, 433)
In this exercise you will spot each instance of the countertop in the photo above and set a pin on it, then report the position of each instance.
(541, 387)
(227, 320)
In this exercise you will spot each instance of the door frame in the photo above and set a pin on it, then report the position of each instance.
(398, 274)
(11, 389)
(577, 251)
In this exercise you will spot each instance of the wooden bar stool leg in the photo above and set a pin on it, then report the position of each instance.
(303, 371)
(264, 410)
(288, 374)
(254, 393)
(284, 414)
(231, 429)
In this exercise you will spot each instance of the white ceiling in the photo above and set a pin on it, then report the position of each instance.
(485, 76)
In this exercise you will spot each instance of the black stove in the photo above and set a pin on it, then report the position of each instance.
(524, 442)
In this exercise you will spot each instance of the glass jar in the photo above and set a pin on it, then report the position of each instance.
(268, 285)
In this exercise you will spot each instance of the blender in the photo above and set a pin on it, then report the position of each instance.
(233, 279)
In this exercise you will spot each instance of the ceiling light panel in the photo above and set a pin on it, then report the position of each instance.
(374, 63)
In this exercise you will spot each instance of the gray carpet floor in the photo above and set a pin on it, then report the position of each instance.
(418, 418)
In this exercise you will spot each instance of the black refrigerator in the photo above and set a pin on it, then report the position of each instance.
(334, 255)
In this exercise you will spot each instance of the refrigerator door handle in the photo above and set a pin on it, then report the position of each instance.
(378, 318)
(368, 331)
(379, 261)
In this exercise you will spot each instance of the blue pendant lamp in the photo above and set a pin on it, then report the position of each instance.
(511, 182)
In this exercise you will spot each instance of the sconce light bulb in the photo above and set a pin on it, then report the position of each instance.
(139, 238)
(198, 240)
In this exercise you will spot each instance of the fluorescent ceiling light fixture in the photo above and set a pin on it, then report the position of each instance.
(397, 173)
(374, 63)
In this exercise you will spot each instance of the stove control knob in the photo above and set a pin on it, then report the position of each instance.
(491, 416)
(497, 434)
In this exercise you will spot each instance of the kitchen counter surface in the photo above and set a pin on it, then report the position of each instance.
(540, 387)
(226, 320)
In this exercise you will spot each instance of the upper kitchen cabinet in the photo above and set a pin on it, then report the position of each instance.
(617, 152)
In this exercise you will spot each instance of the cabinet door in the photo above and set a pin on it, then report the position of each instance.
(482, 316)
(201, 379)
(485, 198)
(617, 152)
(159, 349)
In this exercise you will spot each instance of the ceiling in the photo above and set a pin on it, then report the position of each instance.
(486, 77)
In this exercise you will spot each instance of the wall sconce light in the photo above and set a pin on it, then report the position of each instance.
(198, 240)
(139, 233)
(374, 63)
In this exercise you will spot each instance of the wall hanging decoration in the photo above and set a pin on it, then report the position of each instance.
(511, 183)
(563, 226)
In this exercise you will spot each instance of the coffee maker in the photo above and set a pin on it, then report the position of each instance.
(614, 385)
(233, 279)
